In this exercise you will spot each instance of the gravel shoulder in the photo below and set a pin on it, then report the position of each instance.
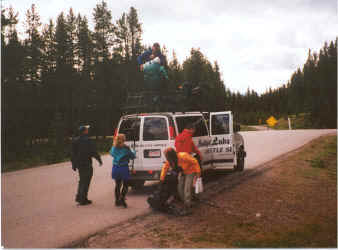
(290, 201)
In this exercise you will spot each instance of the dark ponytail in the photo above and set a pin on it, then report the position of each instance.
(171, 156)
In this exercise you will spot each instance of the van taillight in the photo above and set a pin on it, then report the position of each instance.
(172, 132)
(115, 133)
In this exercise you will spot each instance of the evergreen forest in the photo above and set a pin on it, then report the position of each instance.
(63, 74)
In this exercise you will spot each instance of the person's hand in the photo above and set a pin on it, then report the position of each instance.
(201, 158)
(195, 179)
(141, 67)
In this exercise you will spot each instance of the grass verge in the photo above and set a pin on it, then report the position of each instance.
(292, 205)
(300, 121)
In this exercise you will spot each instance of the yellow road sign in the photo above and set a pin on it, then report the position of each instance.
(271, 121)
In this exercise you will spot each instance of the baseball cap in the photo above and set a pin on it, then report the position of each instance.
(83, 128)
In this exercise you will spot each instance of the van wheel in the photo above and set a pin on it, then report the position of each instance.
(240, 164)
(136, 184)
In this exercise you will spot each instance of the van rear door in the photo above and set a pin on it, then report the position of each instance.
(131, 128)
(221, 146)
(155, 138)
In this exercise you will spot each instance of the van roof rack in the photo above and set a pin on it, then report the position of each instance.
(160, 101)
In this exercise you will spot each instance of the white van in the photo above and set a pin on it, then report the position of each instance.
(151, 133)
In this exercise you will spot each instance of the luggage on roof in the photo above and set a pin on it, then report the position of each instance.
(187, 98)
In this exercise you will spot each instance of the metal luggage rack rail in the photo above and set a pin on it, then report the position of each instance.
(154, 101)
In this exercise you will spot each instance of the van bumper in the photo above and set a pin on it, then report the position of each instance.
(144, 175)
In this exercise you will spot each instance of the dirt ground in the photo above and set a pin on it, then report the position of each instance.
(290, 202)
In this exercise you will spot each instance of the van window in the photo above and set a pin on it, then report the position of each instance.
(198, 121)
(220, 124)
(131, 128)
(155, 128)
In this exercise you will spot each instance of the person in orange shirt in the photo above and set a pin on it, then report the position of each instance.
(191, 171)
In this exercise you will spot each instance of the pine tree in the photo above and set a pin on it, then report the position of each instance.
(72, 51)
(12, 55)
(33, 46)
(49, 51)
(128, 32)
(85, 46)
(66, 78)
(103, 34)
(12, 49)
(62, 41)
(219, 89)
(135, 33)
(175, 73)
(194, 67)
(128, 36)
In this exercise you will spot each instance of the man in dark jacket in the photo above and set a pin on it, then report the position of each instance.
(83, 149)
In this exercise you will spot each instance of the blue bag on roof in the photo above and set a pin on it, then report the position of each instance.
(154, 72)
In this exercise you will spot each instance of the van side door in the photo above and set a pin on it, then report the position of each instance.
(201, 137)
(221, 132)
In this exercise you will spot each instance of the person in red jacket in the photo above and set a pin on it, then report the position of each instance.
(184, 142)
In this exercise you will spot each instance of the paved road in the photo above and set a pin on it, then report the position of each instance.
(38, 208)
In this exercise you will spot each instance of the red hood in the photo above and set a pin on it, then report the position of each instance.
(187, 132)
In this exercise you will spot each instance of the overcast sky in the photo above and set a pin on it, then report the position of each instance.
(257, 44)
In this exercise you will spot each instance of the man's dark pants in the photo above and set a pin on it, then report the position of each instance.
(86, 174)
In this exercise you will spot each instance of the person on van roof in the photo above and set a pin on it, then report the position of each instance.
(120, 170)
(191, 171)
(152, 64)
(150, 54)
(184, 142)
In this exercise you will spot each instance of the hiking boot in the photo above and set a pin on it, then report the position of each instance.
(185, 211)
(84, 203)
(123, 203)
(118, 203)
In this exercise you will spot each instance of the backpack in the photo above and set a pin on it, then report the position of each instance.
(158, 199)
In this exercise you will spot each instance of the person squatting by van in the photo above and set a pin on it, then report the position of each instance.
(186, 179)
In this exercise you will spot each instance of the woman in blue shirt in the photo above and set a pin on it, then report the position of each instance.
(120, 171)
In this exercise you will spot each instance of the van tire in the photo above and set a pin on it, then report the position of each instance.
(240, 164)
(240, 159)
(136, 184)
